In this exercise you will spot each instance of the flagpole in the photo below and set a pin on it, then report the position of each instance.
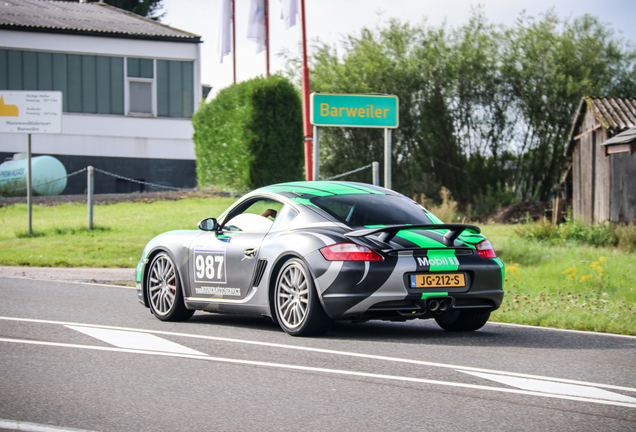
(233, 40)
(308, 135)
(267, 38)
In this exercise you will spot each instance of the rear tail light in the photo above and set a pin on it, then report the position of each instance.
(349, 252)
(485, 249)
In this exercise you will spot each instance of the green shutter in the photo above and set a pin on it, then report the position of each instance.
(117, 85)
(89, 84)
(60, 82)
(45, 71)
(4, 70)
(14, 61)
(74, 82)
(103, 85)
(29, 70)
(188, 89)
(163, 101)
(175, 89)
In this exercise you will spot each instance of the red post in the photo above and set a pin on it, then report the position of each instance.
(234, 40)
(307, 123)
(267, 37)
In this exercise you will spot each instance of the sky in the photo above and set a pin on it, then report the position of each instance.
(331, 20)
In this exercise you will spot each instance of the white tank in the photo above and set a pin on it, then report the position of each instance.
(13, 175)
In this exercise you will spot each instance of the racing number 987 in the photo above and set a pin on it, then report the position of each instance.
(206, 269)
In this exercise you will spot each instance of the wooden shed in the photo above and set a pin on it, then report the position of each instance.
(603, 170)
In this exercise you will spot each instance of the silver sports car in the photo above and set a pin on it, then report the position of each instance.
(308, 253)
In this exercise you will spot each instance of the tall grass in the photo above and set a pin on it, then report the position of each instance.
(447, 211)
(620, 236)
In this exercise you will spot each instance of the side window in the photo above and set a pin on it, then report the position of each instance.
(140, 74)
(257, 217)
(285, 216)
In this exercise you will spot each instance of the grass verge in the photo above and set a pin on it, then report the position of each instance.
(565, 284)
(61, 238)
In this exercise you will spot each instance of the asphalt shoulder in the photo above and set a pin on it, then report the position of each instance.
(115, 276)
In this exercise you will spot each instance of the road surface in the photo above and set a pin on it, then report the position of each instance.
(91, 358)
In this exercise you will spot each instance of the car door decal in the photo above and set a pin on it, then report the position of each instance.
(209, 264)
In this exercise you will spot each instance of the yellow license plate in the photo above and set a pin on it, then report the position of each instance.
(437, 280)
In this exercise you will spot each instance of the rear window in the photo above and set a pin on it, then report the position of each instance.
(365, 210)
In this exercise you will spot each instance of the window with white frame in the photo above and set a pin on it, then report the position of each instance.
(140, 82)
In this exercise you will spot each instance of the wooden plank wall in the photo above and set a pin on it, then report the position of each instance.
(623, 187)
(602, 179)
(584, 167)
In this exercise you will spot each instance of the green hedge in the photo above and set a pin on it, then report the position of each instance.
(250, 135)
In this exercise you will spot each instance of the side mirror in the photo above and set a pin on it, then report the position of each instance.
(208, 224)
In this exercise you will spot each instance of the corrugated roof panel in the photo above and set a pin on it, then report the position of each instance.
(84, 17)
(613, 113)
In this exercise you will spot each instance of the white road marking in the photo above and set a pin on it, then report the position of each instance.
(328, 351)
(135, 340)
(554, 387)
(34, 427)
(324, 370)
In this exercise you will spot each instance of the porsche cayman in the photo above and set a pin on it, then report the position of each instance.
(308, 253)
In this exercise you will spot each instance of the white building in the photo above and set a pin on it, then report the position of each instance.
(130, 86)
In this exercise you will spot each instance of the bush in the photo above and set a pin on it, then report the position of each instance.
(599, 235)
(250, 135)
(446, 211)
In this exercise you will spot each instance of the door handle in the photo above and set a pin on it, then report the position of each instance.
(250, 253)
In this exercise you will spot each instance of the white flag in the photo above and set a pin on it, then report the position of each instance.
(224, 46)
(256, 26)
(288, 12)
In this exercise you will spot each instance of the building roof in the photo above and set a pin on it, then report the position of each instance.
(613, 113)
(95, 19)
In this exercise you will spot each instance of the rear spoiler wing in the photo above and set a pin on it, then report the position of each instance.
(388, 232)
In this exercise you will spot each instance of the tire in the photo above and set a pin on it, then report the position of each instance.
(164, 290)
(457, 320)
(296, 303)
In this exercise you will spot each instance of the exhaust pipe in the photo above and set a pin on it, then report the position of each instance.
(444, 305)
(433, 305)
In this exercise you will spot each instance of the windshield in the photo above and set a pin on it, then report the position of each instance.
(369, 210)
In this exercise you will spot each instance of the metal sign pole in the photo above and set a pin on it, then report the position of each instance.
(387, 158)
(375, 167)
(29, 210)
(316, 154)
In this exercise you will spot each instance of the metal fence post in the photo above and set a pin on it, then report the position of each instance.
(29, 177)
(387, 158)
(316, 154)
(375, 167)
(89, 189)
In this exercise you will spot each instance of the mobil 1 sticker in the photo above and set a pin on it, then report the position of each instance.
(209, 264)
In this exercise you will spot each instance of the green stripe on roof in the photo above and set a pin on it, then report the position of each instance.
(296, 188)
(323, 188)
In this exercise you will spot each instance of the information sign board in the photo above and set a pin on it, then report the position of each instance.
(30, 112)
(355, 110)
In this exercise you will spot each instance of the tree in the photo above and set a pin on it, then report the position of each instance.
(250, 135)
(484, 110)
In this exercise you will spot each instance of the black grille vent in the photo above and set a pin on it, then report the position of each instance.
(261, 265)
